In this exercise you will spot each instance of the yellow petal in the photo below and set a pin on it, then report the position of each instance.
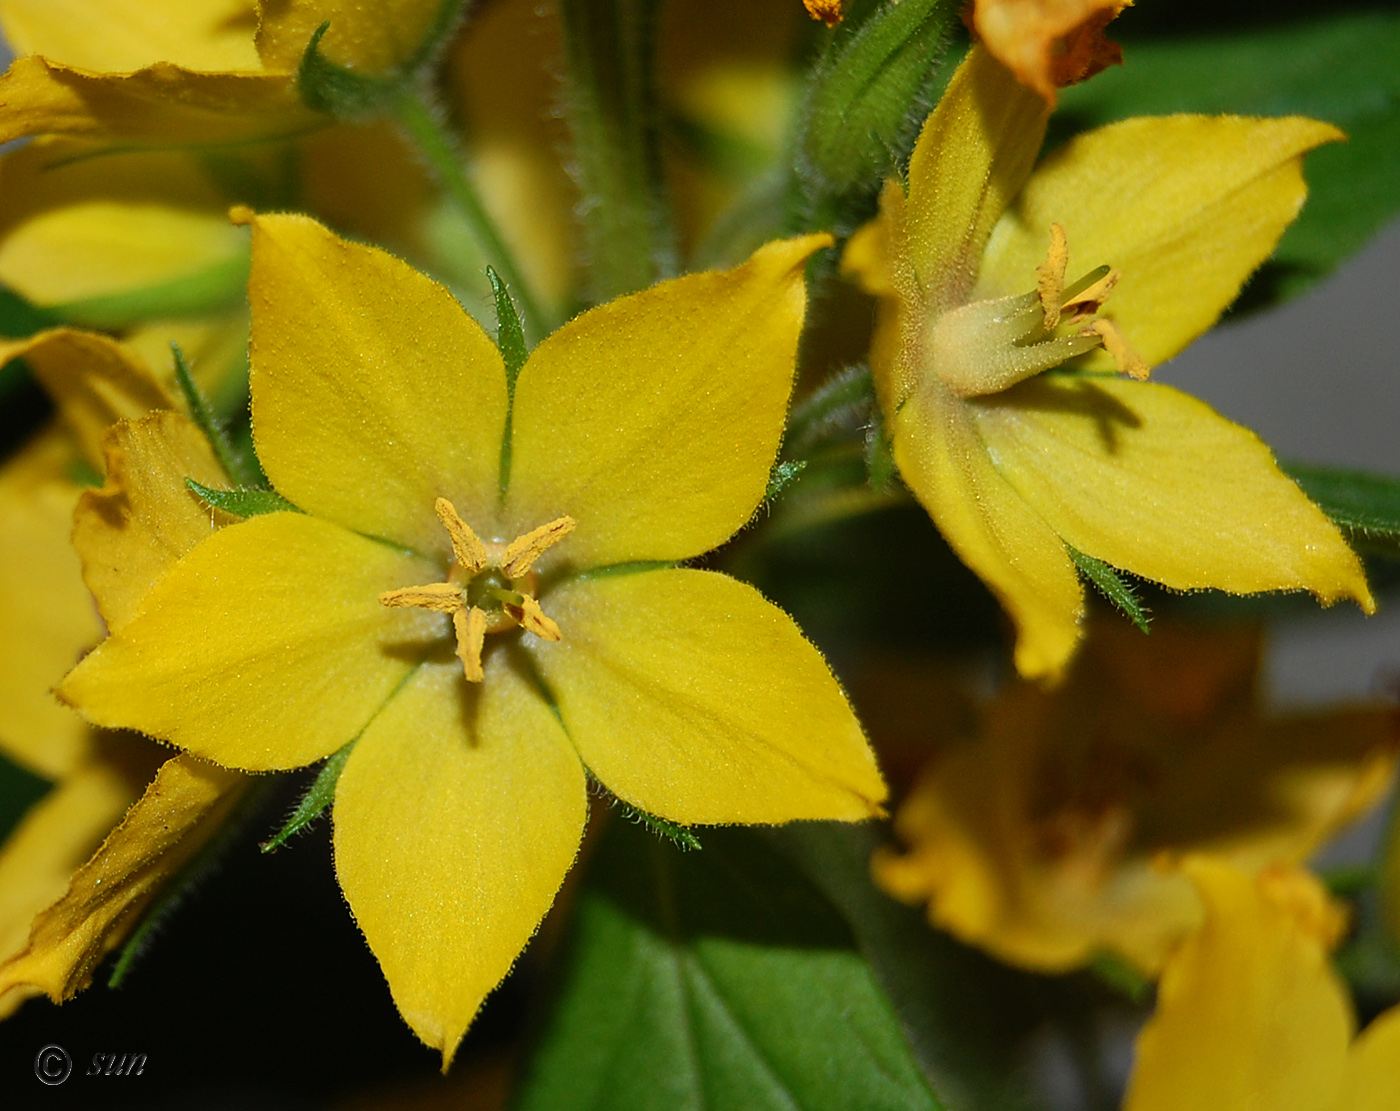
(692, 697)
(1373, 1069)
(456, 818)
(56, 836)
(46, 618)
(972, 157)
(77, 228)
(95, 381)
(1185, 207)
(1153, 481)
(1049, 43)
(114, 36)
(159, 105)
(181, 809)
(374, 394)
(990, 526)
(265, 647)
(1249, 1013)
(144, 518)
(372, 36)
(653, 420)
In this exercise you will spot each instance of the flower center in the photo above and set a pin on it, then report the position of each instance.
(487, 591)
(988, 346)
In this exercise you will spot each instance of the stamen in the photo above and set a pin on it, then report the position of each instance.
(470, 551)
(1124, 357)
(470, 627)
(1094, 295)
(1050, 276)
(522, 552)
(532, 618)
(439, 597)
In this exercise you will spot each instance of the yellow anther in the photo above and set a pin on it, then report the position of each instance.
(439, 597)
(1050, 276)
(522, 552)
(1090, 299)
(470, 552)
(1124, 357)
(533, 620)
(470, 627)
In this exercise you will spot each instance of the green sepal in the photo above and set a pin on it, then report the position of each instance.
(327, 86)
(880, 467)
(783, 475)
(1118, 974)
(843, 400)
(337, 91)
(721, 979)
(318, 796)
(1112, 586)
(236, 466)
(244, 502)
(510, 340)
(83, 473)
(1357, 500)
(20, 318)
(680, 836)
(866, 99)
(510, 335)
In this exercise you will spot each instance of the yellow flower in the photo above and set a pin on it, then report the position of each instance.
(1165, 218)
(186, 71)
(62, 906)
(486, 643)
(1042, 837)
(1251, 1017)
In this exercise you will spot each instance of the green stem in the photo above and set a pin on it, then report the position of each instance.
(611, 105)
(440, 150)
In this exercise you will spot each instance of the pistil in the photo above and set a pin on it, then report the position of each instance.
(487, 596)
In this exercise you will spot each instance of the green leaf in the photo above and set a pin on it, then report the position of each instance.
(1112, 586)
(866, 100)
(243, 502)
(968, 1019)
(1342, 67)
(318, 796)
(717, 980)
(1358, 500)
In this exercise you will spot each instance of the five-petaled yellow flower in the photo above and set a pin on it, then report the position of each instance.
(979, 296)
(486, 644)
